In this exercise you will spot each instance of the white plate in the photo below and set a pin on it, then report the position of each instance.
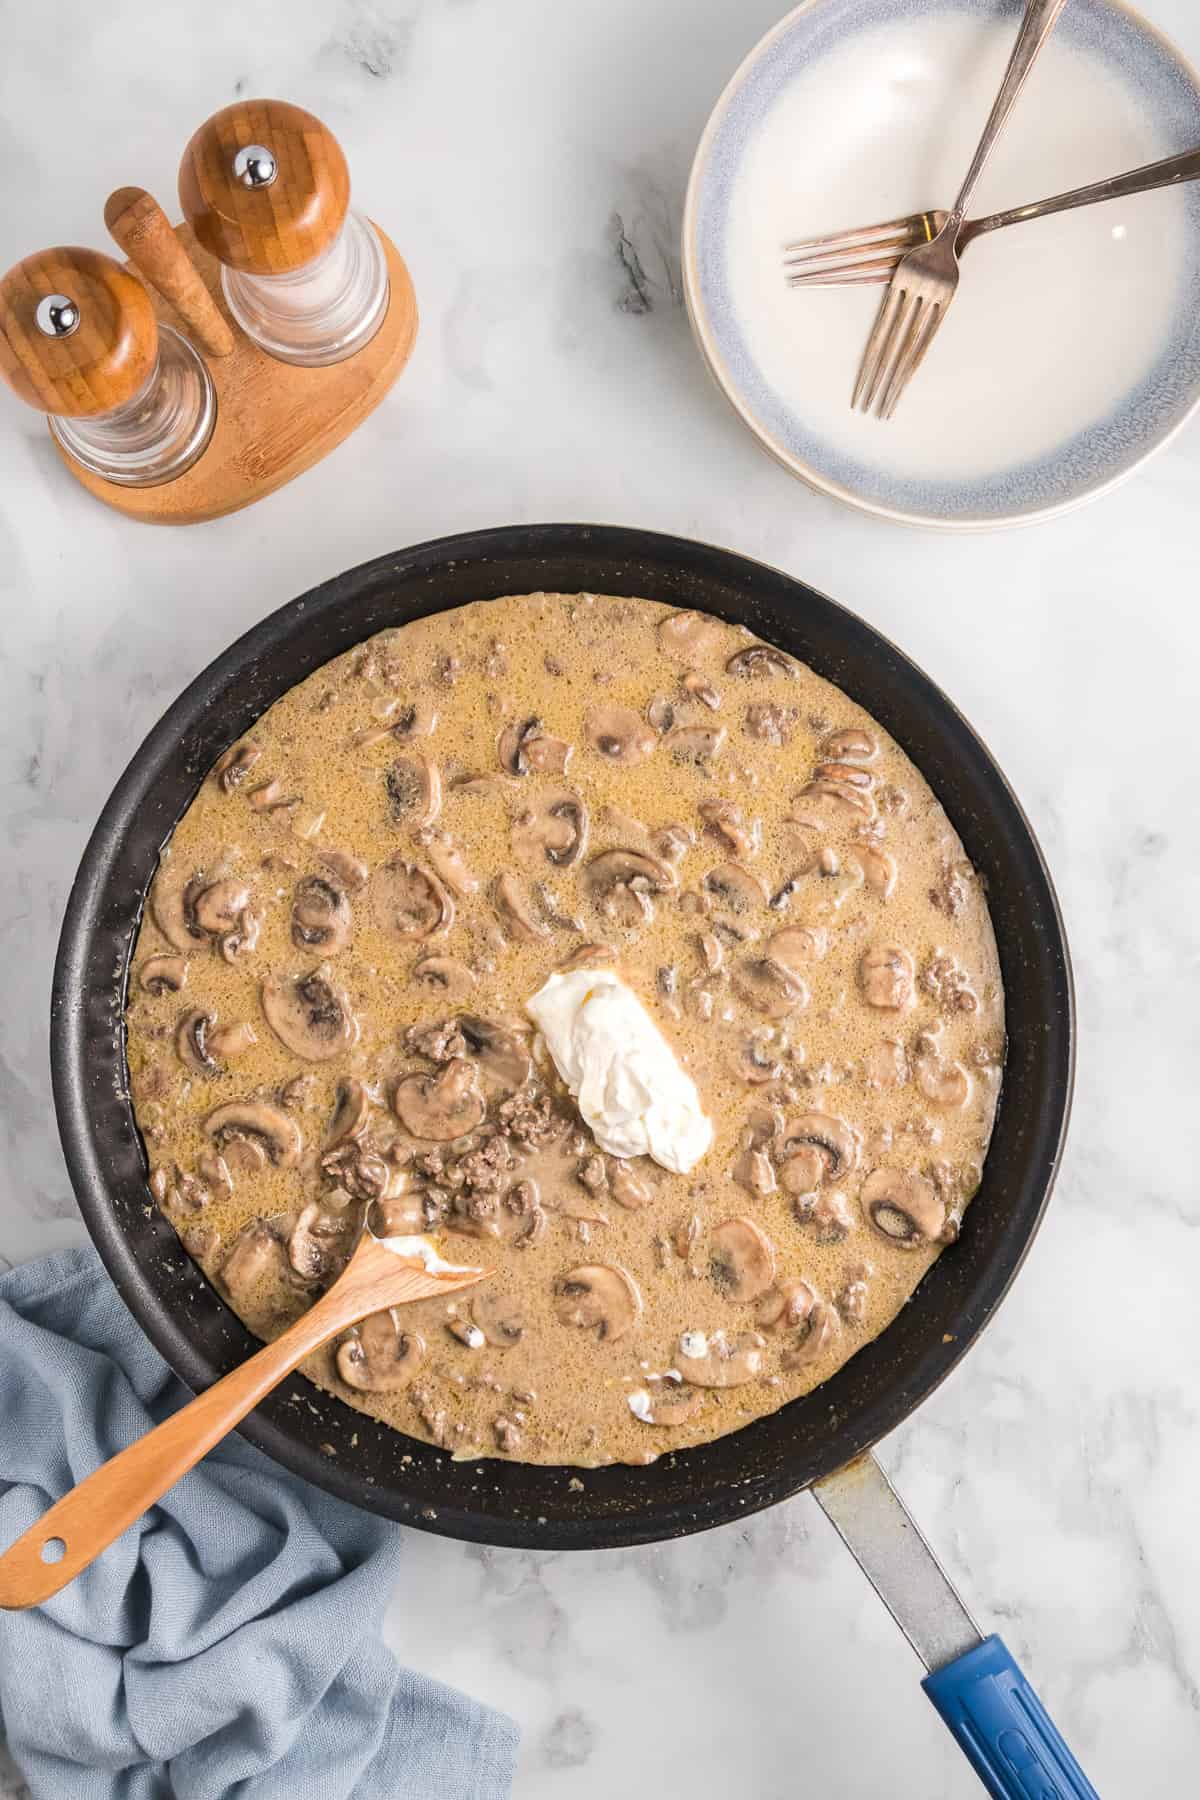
(1073, 349)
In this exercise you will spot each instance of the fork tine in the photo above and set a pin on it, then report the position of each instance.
(914, 320)
(851, 244)
(919, 342)
(843, 274)
(855, 234)
(878, 353)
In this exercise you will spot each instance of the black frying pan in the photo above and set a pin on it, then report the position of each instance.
(511, 1503)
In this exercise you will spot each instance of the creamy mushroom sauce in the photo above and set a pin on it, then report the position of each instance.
(326, 1019)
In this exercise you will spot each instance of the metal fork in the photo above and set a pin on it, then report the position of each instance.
(926, 279)
(870, 254)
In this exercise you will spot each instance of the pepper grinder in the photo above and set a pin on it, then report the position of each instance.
(128, 398)
(266, 190)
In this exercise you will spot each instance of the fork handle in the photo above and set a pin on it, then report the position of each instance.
(1167, 173)
(1039, 21)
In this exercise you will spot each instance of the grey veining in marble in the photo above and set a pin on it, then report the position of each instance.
(529, 159)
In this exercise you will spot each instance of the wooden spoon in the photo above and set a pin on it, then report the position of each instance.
(94, 1514)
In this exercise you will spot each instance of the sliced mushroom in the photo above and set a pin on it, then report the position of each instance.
(554, 830)
(828, 1212)
(445, 976)
(757, 1063)
(845, 775)
(824, 802)
(618, 734)
(673, 842)
(514, 911)
(852, 1297)
(231, 769)
(269, 797)
(903, 1207)
(762, 659)
(885, 975)
(321, 917)
(878, 870)
(191, 1042)
(414, 791)
(171, 904)
(627, 1188)
(769, 987)
(832, 1140)
(735, 887)
(440, 1107)
(163, 974)
(620, 884)
(589, 956)
(319, 1242)
(852, 745)
(511, 746)
(351, 1111)
(409, 901)
(727, 822)
(947, 1085)
(660, 713)
(599, 1297)
(228, 1042)
(665, 1400)
(699, 687)
(499, 1317)
(253, 1266)
(350, 872)
(717, 1361)
(214, 1171)
(258, 1123)
(403, 1215)
(244, 935)
(309, 1015)
(755, 1171)
(418, 719)
(448, 864)
(691, 637)
(786, 1306)
(548, 755)
(502, 1054)
(379, 1358)
(217, 908)
(698, 744)
(741, 1260)
(818, 1334)
(886, 1065)
(798, 945)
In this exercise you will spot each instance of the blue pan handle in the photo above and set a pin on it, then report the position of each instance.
(1003, 1728)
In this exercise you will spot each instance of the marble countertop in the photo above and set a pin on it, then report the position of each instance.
(530, 160)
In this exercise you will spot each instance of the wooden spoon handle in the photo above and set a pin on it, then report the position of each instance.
(142, 229)
(106, 1503)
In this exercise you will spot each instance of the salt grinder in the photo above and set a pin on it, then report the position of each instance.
(265, 188)
(128, 398)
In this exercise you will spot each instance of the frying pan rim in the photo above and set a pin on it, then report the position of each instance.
(74, 1094)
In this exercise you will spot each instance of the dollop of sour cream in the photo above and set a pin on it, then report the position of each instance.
(631, 1090)
(419, 1249)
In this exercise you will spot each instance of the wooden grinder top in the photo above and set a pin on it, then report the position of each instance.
(274, 228)
(102, 362)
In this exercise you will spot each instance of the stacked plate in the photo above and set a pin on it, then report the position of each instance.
(1073, 349)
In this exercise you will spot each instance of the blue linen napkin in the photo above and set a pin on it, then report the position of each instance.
(228, 1644)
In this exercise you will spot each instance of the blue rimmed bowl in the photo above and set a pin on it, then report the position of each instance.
(1073, 349)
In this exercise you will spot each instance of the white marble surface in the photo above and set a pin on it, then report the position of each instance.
(530, 159)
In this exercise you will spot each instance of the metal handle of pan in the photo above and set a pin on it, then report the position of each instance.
(996, 1717)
